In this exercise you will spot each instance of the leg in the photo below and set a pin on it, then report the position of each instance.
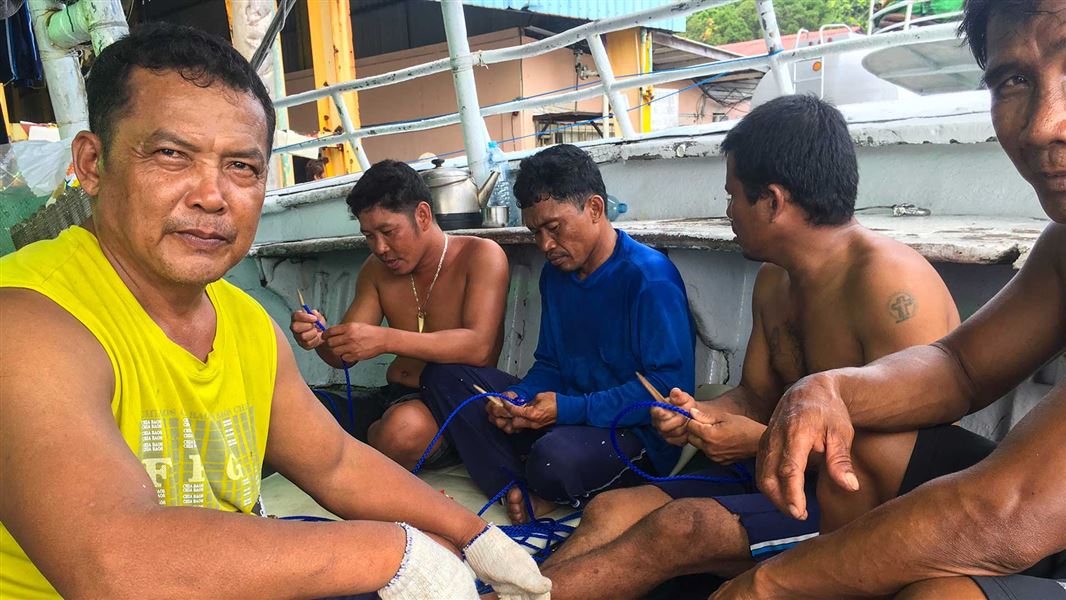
(691, 535)
(960, 588)
(488, 453)
(403, 432)
(880, 460)
(608, 516)
(572, 463)
(894, 464)
(611, 513)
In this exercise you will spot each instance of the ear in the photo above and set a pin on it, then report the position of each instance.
(596, 208)
(88, 153)
(779, 200)
(423, 216)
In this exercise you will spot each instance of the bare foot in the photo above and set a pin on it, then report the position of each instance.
(517, 510)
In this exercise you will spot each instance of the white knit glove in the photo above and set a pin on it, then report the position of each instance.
(500, 562)
(428, 571)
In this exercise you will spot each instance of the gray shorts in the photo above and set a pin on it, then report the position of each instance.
(1021, 587)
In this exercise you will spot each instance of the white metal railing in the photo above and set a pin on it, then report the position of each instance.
(607, 86)
(478, 58)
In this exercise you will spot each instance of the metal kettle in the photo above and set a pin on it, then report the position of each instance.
(457, 200)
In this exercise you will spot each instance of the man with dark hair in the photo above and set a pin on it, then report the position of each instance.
(610, 308)
(831, 294)
(143, 395)
(443, 296)
(961, 528)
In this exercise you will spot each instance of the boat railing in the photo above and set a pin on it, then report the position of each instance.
(461, 62)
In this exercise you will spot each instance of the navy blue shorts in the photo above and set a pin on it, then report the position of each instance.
(770, 531)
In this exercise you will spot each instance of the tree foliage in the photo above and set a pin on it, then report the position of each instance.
(739, 21)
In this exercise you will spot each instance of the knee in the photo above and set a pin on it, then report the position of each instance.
(700, 519)
(405, 430)
(601, 509)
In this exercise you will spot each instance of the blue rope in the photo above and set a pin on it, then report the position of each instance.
(440, 432)
(347, 377)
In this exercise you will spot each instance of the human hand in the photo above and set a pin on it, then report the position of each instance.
(353, 342)
(428, 570)
(500, 562)
(669, 424)
(811, 417)
(724, 437)
(499, 413)
(304, 329)
(539, 413)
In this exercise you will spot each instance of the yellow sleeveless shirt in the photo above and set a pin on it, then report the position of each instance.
(199, 429)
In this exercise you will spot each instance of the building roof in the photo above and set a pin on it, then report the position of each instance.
(585, 9)
(758, 46)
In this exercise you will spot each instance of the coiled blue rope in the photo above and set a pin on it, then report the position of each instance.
(553, 532)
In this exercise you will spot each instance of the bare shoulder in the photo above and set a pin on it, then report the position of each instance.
(879, 257)
(895, 284)
(771, 286)
(882, 263)
(479, 252)
(1050, 250)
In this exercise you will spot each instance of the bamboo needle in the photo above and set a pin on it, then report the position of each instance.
(493, 399)
(651, 389)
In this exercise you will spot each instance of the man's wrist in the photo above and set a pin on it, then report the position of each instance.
(470, 532)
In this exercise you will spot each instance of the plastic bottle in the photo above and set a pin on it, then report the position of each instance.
(501, 192)
(615, 208)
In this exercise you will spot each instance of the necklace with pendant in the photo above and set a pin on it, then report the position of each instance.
(421, 307)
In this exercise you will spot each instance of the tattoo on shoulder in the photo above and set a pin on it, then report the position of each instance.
(903, 306)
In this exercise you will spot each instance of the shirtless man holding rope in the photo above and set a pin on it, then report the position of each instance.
(443, 296)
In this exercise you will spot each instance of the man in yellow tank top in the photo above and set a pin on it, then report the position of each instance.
(137, 388)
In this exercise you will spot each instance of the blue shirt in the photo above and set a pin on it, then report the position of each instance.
(630, 315)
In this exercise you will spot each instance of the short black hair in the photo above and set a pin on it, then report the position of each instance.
(802, 144)
(978, 13)
(390, 184)
(201, 58)
(564, 173)
(314, 168)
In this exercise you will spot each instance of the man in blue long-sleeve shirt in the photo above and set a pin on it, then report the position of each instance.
(610, 307)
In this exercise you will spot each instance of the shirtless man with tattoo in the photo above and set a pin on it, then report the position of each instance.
(831, 294)
(983, 522)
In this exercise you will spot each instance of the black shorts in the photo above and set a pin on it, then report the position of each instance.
(947, 449)
(1021, 587)
(369, 406)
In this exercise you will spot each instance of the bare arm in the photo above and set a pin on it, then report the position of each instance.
(1003, 515)
(735, 418)
(94, 526)
(365, 308)
(347, 477)
(475, 342)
